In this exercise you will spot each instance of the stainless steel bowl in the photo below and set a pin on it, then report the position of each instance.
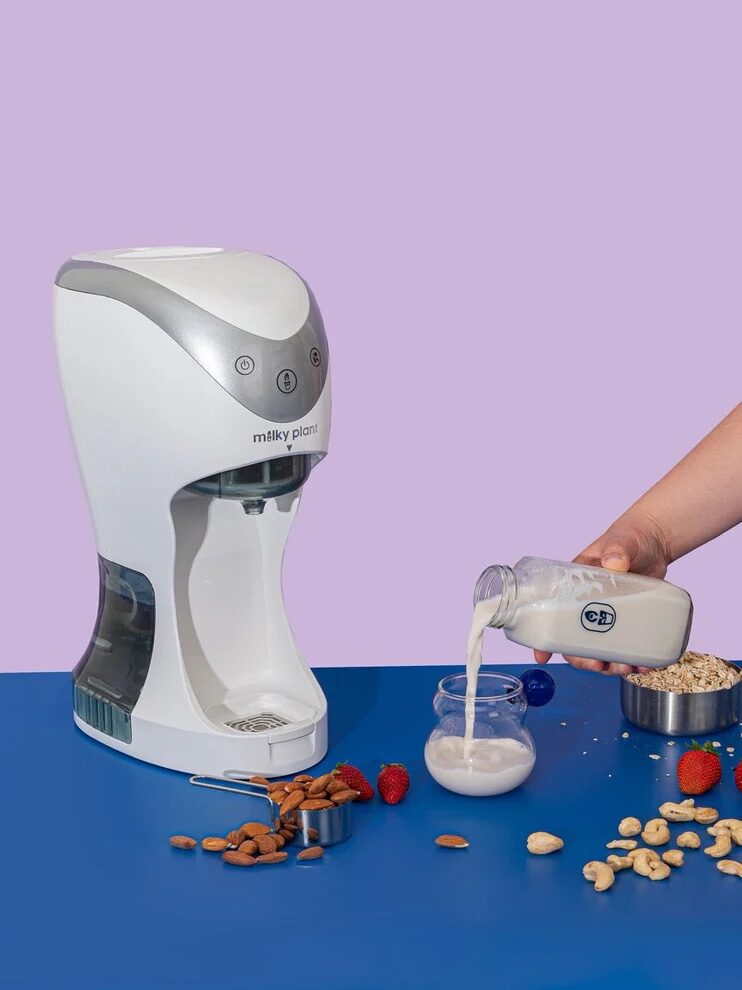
(669, 714)
(327, 826)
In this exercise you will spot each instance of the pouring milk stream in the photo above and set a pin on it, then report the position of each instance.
(560, 608)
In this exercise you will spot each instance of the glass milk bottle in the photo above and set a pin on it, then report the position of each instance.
(586, 611)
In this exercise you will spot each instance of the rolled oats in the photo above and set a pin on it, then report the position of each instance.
(692, 674)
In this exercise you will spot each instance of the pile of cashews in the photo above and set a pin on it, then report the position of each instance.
(644, 860)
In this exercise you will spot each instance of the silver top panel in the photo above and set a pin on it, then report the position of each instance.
(279, 380)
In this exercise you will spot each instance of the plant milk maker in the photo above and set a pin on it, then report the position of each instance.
(198, 395)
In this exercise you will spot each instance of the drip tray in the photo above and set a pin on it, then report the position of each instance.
(261, 722)
(262, 712)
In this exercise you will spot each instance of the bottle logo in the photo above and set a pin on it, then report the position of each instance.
(598, 617)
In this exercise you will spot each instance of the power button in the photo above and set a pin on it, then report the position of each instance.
(244, 365)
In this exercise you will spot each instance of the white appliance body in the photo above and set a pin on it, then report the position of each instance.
(179, 365)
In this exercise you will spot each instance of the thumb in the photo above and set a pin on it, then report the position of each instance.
(615, 557)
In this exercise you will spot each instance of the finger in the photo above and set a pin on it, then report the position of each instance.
(580, 663)
(616, 557)
(620, 669)
(541, 657)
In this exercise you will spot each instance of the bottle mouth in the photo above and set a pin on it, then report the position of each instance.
(498, 583)
(490, 687)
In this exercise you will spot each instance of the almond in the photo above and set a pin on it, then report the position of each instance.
(235, 837)
(235, 858)
(251, 829)
(319, 796)
(275, 857)
(452, 841)
(260, 780)
(247, 847)
(266, 844)
(182, 842)
(335, 786)
(276, 824)
(278, 797)
(214, 844)
(304, 778)
(319, 784)
(343, 797)
(317, 804)
(314, 852)
(312, 834)
(286, 835)
(278, 839)
(278, 785)
(295, 785)
(291, 801)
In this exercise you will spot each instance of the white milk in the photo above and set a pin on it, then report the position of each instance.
(487, 767)
(483, 612)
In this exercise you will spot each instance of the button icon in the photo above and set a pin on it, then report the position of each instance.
(315, 357)
(244, 364)
(286, 381)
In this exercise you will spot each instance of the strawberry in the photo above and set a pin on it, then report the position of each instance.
(353, 777)
(738, 775)
(699, 769)
(393, 782)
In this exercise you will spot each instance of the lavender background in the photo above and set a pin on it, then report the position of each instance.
(521, 221)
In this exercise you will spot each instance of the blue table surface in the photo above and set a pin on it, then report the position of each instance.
(94, 897)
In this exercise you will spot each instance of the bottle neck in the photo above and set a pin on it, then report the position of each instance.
(499, 584)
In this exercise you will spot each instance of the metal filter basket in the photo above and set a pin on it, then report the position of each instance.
(698, 714)
(327, 826)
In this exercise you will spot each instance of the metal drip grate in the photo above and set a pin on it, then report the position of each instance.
(258, 723)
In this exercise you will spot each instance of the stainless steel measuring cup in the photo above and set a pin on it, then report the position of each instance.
(327, 827)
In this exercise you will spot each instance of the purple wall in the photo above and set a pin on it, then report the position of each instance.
(522, 223)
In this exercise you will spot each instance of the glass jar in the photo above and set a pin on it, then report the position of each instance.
(498, 753)
(585, 611)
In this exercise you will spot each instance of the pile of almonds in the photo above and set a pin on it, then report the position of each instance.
(257, 843)
(306, 793)
(254, 843)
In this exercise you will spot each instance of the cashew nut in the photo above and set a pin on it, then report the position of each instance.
(722, 846)
(618, 863)
(706, 816)
(644, 860)
(660, 871)
(629, 826)
(689, 840)
(600, 874)
(731, 823)
(541, 843)
(717, 830)
(730, 867)
(677, 812)
(656, 832)
(622, 844)
(673, 857)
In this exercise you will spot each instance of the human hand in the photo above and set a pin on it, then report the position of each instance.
(636, 545)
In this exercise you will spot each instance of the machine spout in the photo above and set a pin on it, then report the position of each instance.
(253, 506)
